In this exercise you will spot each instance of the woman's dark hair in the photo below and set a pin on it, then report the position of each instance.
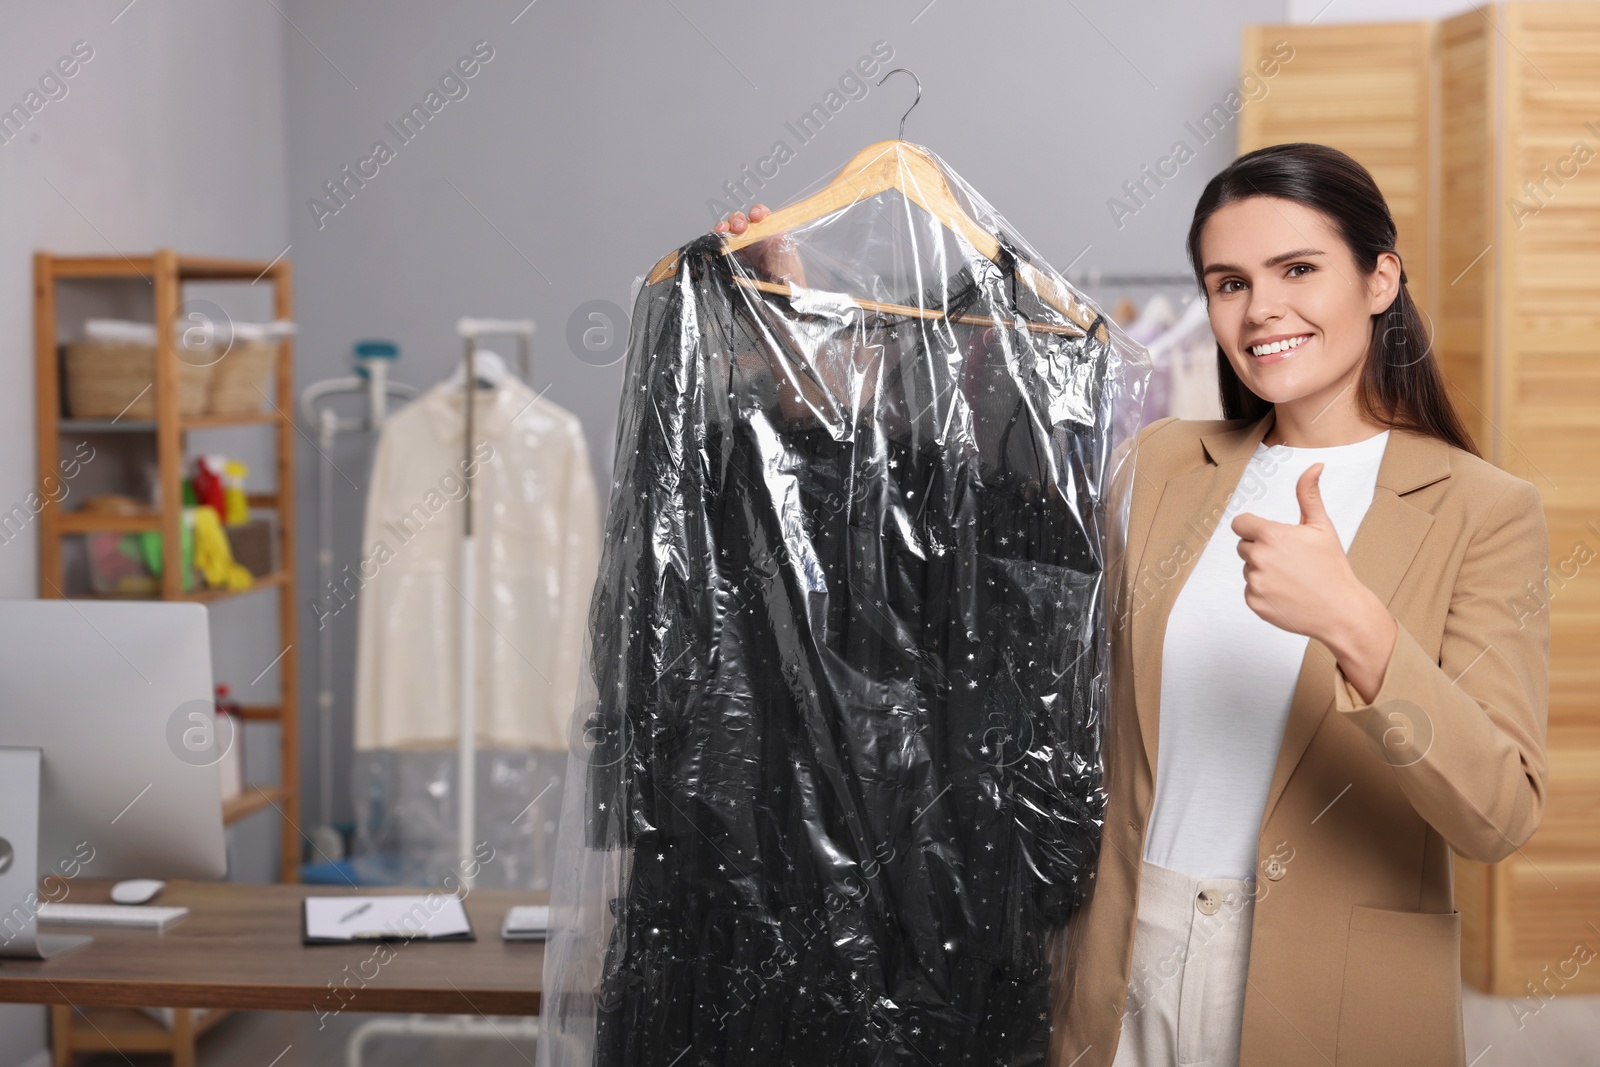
(1400, 384)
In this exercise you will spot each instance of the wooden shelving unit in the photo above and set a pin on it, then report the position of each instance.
(124, 1030)
(166, 272)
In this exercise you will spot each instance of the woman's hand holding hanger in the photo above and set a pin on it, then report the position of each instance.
(837, 380)
(775, 256)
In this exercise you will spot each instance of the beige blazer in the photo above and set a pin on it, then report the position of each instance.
(1355, 955)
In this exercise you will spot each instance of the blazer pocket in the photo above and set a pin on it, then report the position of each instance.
(1401, 997)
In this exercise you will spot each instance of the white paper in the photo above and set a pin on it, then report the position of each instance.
(342, 918)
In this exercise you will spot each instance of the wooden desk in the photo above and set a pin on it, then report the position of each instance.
(239, 947)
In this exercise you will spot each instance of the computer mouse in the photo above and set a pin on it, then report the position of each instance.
(136, 890)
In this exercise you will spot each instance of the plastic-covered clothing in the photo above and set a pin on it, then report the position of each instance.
(536, 525)
(406, 829)
(836, 777)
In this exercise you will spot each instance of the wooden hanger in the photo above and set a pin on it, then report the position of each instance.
(910, 169)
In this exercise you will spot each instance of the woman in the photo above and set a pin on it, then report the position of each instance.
(1317, 729)
(1307, 722)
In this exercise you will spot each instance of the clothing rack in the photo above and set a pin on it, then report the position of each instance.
(374, 360)
(1095, 279)
(463, 1027)
(469, 330)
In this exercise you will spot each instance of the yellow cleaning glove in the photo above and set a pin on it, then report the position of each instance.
(213, 557)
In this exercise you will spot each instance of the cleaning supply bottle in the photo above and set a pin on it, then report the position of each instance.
(236, 507)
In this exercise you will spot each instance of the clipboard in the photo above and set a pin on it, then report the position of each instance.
(407, 917)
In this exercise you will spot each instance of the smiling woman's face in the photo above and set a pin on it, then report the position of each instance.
(1288, 304)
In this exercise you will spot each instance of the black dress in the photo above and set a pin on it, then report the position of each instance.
(849, 669)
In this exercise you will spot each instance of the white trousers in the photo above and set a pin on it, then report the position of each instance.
(1191, 952)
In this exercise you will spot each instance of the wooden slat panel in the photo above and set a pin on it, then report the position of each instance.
(1551, 908)
(1466, 267)
(131, 1030)
(47, 412)
(104, 266)
(169, 439)
(1572, 806)
(1548, 350)
(254, 798)
(288, 605)
(1550, 379)
(259, 712)
(217, 268)
(73, 522)
(1365, 90)
(213, 422)
(266, 581)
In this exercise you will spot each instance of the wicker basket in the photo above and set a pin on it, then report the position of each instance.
(255, 545)
(106, 379)
(240, 380)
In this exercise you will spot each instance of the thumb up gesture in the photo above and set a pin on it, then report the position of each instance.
(1296, 575)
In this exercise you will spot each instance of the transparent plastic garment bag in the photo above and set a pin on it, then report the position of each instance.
(835, 781)
(406, 820)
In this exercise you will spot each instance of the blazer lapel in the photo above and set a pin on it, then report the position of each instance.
(1381, 552)
(1191, 505)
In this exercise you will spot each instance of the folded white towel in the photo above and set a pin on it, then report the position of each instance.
(263, 331)
(137, 333)
(144, 333)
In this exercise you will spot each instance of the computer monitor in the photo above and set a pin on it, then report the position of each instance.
(109, 747)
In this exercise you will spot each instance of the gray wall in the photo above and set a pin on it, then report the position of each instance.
(590, 143)
(171, 134)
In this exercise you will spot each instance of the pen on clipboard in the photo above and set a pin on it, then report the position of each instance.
(355, 911)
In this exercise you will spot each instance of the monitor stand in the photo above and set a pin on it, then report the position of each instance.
(19, 862)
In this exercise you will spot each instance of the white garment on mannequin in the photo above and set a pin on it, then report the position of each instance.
(1228, 676)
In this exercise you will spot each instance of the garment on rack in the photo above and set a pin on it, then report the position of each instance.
(536, 527)
(836, 778)
(1183, 357)
(1190, 350)
(1155, 319)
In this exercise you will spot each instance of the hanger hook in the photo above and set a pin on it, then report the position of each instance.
(914, 103)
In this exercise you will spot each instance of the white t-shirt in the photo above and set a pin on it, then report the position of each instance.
(1228, 676)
